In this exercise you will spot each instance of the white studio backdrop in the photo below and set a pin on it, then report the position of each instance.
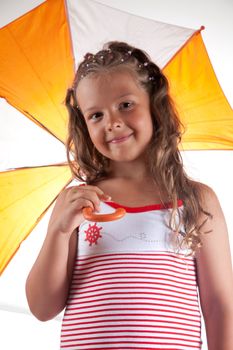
(18, 328)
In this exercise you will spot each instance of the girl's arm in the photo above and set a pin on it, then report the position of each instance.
(215, 278)
(48, 283)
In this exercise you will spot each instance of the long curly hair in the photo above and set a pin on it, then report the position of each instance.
(165, 161)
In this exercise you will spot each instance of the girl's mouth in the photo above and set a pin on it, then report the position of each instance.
(120, 139)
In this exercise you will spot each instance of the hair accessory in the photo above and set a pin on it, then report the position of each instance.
(129, 52)
(145, 64)
(122, 59)
(151, 78)
(88, 56)
(140, 65)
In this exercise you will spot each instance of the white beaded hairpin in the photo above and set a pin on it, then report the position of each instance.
(91, 59)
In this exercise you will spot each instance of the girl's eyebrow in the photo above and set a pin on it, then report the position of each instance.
(90, 109)
(96, 108)
(124, 95)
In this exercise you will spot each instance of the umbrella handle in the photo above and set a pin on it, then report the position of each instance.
(90, 216)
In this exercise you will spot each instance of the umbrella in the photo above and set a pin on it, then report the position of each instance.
(39, 53)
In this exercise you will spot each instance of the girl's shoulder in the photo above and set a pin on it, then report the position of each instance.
(206, 194)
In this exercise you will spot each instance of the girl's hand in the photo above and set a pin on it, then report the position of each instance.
(67, 213)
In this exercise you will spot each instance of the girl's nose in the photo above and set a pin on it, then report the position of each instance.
(114, 122)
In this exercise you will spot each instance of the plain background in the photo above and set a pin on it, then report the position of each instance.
(18, 328)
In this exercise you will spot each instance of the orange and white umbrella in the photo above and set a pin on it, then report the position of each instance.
(39, 51)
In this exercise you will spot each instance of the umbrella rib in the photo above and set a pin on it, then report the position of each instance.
(34, 167)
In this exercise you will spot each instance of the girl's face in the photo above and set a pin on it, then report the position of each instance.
(117, 114)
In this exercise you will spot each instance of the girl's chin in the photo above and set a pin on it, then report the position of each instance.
(124, 159)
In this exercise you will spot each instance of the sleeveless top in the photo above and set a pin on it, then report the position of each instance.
(130, 288)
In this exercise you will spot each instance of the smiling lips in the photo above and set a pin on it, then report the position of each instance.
(119, 139)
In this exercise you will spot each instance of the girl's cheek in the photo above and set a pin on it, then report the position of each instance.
(91, 130)
(94, 134)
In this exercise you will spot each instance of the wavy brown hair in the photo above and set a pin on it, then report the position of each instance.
(165, 161)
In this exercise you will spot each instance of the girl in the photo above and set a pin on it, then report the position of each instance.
(132, 283)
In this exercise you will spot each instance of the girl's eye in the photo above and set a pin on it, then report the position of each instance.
(96, 116)
(126, 105)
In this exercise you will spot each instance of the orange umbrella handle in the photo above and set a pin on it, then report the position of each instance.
(90, 216)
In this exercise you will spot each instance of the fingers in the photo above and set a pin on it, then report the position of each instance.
(84, 203)
(96, 189)
(87, 196)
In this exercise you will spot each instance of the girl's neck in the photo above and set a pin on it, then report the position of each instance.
(130, 171)
(132, 191)
(132, 184)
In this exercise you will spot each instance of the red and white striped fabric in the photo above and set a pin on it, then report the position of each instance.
(130, 290)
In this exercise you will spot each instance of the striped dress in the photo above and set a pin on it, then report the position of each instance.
(130, 290)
